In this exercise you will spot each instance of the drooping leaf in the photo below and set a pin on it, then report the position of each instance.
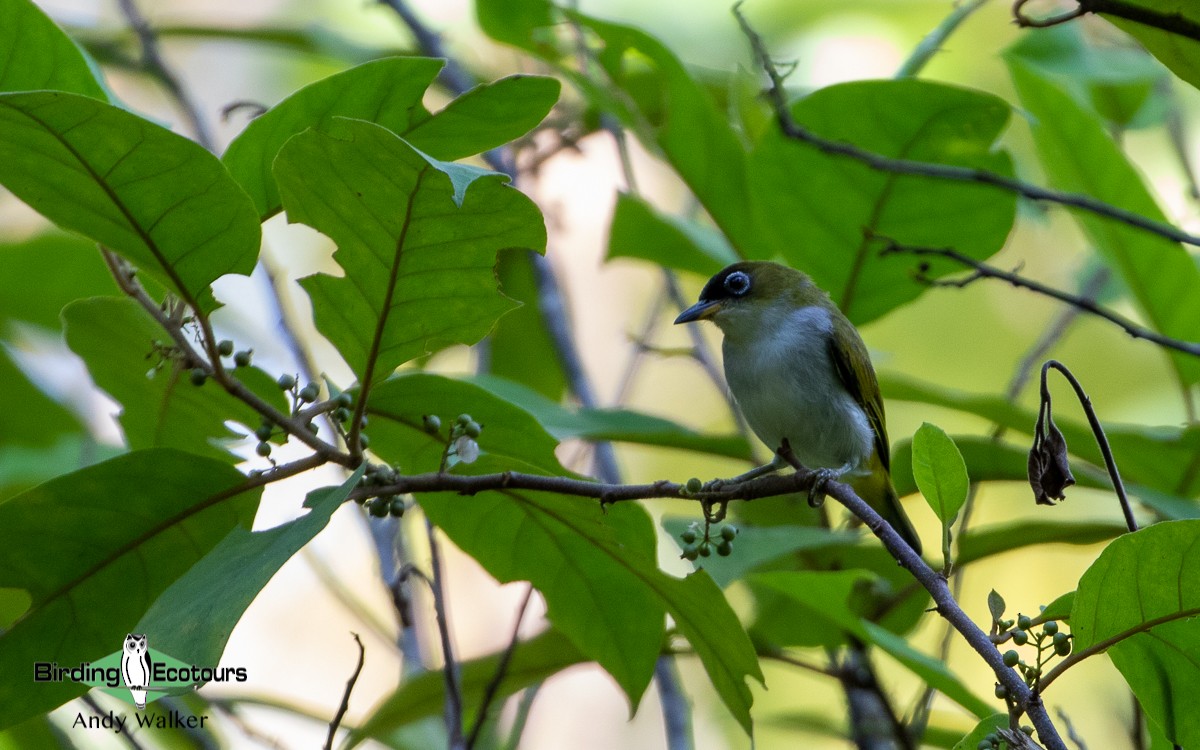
(417, 239)
(155, 197)
(423, 696)
(1144, 590)
(122, 532)
(389, 93)
(639, 231)
(193, 618)
(38, 55)
(815, 207)
(939, 471)
(1079, 156)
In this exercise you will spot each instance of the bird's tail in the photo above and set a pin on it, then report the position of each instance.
(876, 488)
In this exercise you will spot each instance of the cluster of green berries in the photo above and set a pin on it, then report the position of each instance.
(378, 475)
(992, 741)
(1049, 638)
(225, 348)
(695, 547)
(463, 434)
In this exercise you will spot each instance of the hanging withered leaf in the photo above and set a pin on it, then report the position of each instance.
(1049, 469)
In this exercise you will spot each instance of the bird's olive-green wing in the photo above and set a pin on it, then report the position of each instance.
(853, 365)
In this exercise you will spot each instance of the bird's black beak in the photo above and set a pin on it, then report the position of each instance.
(702, 310)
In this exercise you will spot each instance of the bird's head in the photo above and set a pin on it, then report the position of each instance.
(746, 298)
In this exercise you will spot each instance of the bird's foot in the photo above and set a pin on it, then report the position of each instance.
(821, 477)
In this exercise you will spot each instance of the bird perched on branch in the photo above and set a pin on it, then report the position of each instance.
(799, 371)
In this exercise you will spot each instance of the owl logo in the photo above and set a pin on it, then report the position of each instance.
(135, 667)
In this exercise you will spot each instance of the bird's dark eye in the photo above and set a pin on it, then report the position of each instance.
(737, 283)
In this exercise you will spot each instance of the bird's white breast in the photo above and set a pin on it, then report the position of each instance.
(785, 383)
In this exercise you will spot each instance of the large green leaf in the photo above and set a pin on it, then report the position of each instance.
(38, 420)
(155, 197)
(94, 549)
(388, 92)
(1178, 52)
(1079, 156)
(417, 239)
(1146, 586)
(38, 55)
(423, 696)
(23, 467)
(639, 231)
(79, 272)
(193, 618)
(815, 208)
(160, 406)
(982, 542)
(523, 335)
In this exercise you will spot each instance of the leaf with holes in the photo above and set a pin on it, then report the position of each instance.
(417, 239)
(94, 549)
(155, 197)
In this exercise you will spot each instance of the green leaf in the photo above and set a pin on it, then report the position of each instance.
(616, 425)
(16, 427)
(639, 231)
(1176, 51)
(522, 336)
(79, 272)
(833, 603)
(397, 408)
(161, 408)
(1060, 608)
(810, 608)
(23, 467)
(1079, 156)
(388, 92)
(985, 727)
(122, 532)
(418, 249)
(193, 618)
(1149, 578)
(815, 208)
(987, 541)
(939, 471)
(38, 55)
(995, 605)
(155, 197)
(513, 21)
(424, 695)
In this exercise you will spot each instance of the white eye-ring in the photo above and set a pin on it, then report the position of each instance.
(737, 283)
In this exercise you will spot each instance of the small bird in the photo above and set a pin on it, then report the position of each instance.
(799, 371)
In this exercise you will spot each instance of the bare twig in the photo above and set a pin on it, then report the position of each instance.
(882, 163)
(493, 686)
(1173, 23)
(676, 712)
(452, 707)
(1085, 303)
(341, 712)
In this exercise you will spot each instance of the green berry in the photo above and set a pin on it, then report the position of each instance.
(690, 552)
(225, 347)
(397, 507)
(992, 738)
(341, 414)
(432, 423)
(1062, 644)
(694, 485)
(380, 507)
(363, 422)
(286, 382)
(983, 745)
(464, 419)
(725, 548)
(198, 376)
(313, 427)
(688, 536)
(263, 449)
(1005, 624)
(1001, 691)
(264, 431)
(363, 440)
(242, 358)
(473, 429)
(309, 393)
(1020, 637)
(1027, 730)
(705, 549)
(728, 533)
(344, 400)
(1011, 658)
(1050, 628)
(1024, 622)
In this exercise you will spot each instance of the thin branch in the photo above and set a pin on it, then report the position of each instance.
(982, 270)
(341, 712)
(1101, 439)
(450, 671)
(493, 686)
(676, 712)
(1173, 23)
(153, 63)
(947, 607)
(933, 41)
(882, 163)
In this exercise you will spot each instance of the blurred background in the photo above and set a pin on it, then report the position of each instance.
(295, 639)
